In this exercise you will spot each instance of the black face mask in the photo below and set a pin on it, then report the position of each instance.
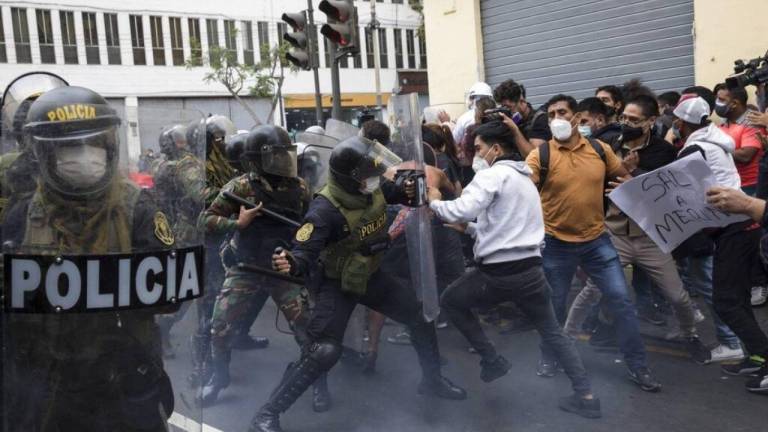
(631, 133)
(611, 111)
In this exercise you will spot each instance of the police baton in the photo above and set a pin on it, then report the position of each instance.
(271, 273)
(271, 213)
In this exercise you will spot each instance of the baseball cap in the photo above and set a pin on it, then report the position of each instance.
(692, 109)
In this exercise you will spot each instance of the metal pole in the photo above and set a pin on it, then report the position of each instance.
(376, 60)
(313, 54)
(335, 84)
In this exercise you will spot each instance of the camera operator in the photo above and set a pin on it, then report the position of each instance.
(530, 127)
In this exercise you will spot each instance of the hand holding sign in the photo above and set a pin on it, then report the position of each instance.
(736, 201)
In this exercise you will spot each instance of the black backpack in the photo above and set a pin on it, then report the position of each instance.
(544, 159)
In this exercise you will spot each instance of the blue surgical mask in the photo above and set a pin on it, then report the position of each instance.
(585, 131)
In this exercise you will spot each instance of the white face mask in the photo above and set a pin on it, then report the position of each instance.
(81, 166)
(479, 163)
(561, 129)
(370, 185)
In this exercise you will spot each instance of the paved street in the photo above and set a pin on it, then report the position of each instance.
(694, 398)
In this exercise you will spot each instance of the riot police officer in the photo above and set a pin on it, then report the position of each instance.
(269, 158)
(344, 230)
(97, 370)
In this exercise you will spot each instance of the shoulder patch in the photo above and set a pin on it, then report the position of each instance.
(163, 230)
(305, 232)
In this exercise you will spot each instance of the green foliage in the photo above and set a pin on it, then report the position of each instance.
(418, 6)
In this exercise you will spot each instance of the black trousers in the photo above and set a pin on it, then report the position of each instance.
(328, 319)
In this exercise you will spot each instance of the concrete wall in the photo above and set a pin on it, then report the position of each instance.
(727, 31)
(454, 51)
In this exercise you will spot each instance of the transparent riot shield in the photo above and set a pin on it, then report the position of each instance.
(314, 153)
(340, 130)
(405, 125)
(95, 257)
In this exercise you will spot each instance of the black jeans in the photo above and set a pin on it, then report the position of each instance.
(328, 319)
(529, 290)
(737, 268)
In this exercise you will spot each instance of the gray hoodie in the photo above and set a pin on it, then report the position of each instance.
(718, 149)
(507, 207)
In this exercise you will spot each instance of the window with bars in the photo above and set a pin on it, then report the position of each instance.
(282, 29)
(212, 26)
(113, 39)
(45, 36)
(263, 29)
(398, 48)
(177, 46)
(383, 55)
(158, 45)
(137, 40)
(196, 50)
(68, 41)
(422, 52)
(21, 35)
(91, 38)
(3, 54)
(369, 48)
(248, 45)
(410, 46)
(230, 39)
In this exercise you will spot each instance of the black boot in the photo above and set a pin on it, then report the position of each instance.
(200, 345)
(219, 380)
(321, 398)
(432, 383)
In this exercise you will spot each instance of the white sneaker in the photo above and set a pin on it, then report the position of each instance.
(723, 353)
(759, 295)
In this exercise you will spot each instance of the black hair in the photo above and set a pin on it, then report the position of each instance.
(703, 93)
(670, 98)
(496, 132)
(634, 88)
(614, 91)
(647, 104)
(376, 130)
(509, 90)
(572, 105)
(593, 106)
(737, 93)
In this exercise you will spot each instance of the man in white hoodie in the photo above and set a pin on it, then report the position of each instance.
(508, 232)
(737, 266)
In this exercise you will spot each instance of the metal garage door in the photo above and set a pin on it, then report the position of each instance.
(575, 46)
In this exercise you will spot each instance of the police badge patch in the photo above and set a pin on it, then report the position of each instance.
(305, 232)
(163, 230)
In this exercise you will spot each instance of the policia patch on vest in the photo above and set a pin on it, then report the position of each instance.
(163, 229)
(305, 232)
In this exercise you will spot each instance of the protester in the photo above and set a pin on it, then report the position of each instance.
(594, 122)
(612, 97)
(531, 128)
(478, 90)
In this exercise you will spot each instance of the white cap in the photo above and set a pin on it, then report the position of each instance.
(692, 109)
(480, 89)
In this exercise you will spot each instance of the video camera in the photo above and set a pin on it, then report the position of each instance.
(754, 72)
(494, 114)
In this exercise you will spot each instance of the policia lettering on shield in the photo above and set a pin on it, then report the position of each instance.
(344, 230)
(88, 264)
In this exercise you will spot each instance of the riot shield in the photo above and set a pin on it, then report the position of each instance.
(405, 125)
(340, 130)
(91, 264)
(314, 153)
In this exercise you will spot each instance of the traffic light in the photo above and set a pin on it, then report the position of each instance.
(342, 24)
(299, 40)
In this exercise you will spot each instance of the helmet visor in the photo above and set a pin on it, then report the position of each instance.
(24, 88)
(280, 161)
(376, 161)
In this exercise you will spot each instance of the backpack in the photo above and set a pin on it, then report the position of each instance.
(544, 159)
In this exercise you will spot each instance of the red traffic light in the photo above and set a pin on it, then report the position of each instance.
(338, 33)
(339, 10)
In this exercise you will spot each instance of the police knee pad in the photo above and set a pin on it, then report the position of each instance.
(325, 352)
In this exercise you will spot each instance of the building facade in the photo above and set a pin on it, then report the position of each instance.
(574, 46)
(137, 53)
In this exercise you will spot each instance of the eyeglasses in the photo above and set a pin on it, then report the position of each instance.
(634, 121)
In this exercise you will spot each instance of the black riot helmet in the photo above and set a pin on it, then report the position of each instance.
(217, 128)
(73, 133)
(357, 161)
(269, 150)
(17, 98)
(173, 140)
(233, 150)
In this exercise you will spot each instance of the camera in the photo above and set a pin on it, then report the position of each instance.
(753, 72)
(494, 114)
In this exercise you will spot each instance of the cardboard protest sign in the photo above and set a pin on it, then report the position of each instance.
(669, 204)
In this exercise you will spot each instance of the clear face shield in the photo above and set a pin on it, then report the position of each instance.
(378, 159)
(279, 161)
(18, 96)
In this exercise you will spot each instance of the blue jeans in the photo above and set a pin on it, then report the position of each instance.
(696, 273)
(598, 258)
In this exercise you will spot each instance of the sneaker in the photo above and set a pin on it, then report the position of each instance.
(759, 295)
(698, 351)
(651, 314)
(494, 369)
(546, 368)
(759, 384)
(588, 408)
(403, 337)
(643, 378)
(724, 353)
(748, 367)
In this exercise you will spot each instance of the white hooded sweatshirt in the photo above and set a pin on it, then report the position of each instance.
(718, 149)
(506, 204)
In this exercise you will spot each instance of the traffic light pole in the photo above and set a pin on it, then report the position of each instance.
(335, 84)
(376, 60)
(313, 53)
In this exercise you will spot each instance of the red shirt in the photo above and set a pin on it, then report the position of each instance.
(745, 136)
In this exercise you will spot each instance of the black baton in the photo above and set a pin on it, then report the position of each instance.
(249, 205)
(271, 273)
